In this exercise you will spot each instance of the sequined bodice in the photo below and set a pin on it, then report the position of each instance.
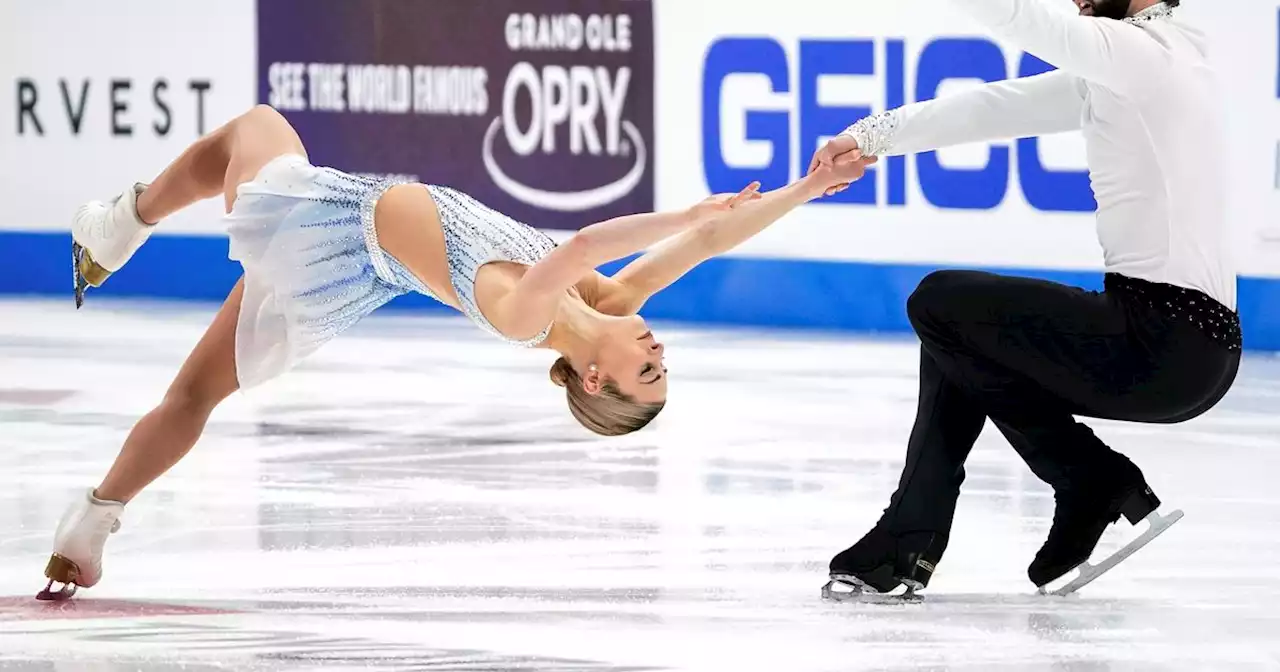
(474, 235)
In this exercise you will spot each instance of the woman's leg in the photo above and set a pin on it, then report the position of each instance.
(107, 234)
(167, 433)
(219, 162)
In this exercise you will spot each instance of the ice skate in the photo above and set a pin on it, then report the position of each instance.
(77, 547)
(1078, 527)
(104, 237)
(880, 563)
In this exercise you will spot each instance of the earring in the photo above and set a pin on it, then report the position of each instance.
(591, 368)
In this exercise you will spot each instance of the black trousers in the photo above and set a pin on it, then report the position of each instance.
(1031, 355)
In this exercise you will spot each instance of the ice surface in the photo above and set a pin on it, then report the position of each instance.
(417, 497)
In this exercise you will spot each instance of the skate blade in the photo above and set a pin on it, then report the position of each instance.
(66, 592)
(59, 570)
(848, 588)
(87, 272)
(1157, 525)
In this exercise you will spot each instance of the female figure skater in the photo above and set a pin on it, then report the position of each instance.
(321, 249)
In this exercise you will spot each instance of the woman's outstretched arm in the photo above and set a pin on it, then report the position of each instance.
(532, 304)
(669, 261)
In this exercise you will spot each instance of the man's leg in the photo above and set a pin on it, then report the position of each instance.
(917, 523)
(1034, 354)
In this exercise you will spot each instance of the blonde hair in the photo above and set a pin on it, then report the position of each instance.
(609, 413)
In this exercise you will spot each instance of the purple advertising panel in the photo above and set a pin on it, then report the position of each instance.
(542, 109)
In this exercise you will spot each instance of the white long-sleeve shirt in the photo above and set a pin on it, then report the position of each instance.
(1146, 99)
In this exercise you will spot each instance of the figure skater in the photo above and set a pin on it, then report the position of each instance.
(321, 249)
(1160, 345)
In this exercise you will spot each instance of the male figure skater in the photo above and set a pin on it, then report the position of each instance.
(1160, 345)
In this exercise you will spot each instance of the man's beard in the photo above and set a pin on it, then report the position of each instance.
(1106, 9)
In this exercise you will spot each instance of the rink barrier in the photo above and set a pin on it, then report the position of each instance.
(732, 291)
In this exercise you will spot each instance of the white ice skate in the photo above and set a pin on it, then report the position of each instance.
(1156, 526)
(104, 237)
(77, 546)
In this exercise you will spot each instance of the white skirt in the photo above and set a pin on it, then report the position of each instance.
(303, 235)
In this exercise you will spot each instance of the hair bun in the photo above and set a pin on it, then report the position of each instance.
(560, 372)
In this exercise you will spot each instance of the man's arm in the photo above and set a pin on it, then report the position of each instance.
(1015, 108)
(1111, 53)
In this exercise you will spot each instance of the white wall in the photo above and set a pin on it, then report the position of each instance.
(43, 178)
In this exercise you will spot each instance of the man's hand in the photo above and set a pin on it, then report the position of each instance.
(835, 178)
(840, 149)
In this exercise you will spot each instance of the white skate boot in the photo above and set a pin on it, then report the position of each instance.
(104, 237)
(77, 546)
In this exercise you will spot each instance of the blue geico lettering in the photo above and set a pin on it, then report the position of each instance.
(940, 60)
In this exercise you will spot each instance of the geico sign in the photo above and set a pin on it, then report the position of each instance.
(793, 144)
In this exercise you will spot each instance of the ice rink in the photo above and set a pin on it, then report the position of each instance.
(416, 497)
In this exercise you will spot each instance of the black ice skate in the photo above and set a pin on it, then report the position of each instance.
(880, 563)
(1078, 525)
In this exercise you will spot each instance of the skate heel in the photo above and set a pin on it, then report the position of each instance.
(94, 274)
(917, 575)
(914, 564)
(88, 273)
(1138, 505)
(61, 569)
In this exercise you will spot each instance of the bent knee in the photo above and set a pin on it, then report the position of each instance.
(264, 115)
(935, 292)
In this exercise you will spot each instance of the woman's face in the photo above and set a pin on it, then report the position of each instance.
(629, 356)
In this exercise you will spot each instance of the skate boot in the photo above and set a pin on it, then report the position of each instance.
(77, 546)
(882, 562)
(1078, 524)
(105, 236)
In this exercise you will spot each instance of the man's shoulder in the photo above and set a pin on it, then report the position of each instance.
(1178, 38)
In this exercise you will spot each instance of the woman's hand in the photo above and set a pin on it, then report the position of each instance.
(835, 176)
(719, 204)
(839, 149)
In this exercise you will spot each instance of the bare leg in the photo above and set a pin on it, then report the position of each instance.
(167, 434)
(219, 162)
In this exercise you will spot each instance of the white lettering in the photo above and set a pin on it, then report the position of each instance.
(522, 77)
(568, 32)
(614, 100)
(328, 87)
(450, 90)
(624, 32)
(555, 97)
(512, 30)
(288, 86)
(586, 105)
(379, 88)
(577, 96)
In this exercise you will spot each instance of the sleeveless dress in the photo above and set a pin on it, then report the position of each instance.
(313, 267)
